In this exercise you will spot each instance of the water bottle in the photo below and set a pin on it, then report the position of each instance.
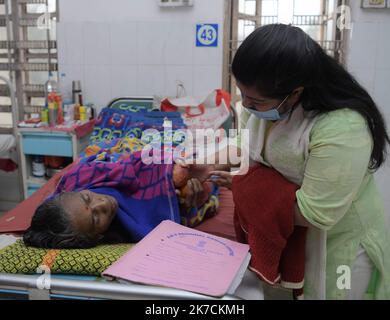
(50, 86)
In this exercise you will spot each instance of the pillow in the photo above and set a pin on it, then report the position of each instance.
(18, 258)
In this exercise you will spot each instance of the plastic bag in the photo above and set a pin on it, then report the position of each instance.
(210, 112)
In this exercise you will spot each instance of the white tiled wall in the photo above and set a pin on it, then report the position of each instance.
(123, 42)
(368, 58)
(136, 48)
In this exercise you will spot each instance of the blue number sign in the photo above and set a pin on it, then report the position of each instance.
(207, 35)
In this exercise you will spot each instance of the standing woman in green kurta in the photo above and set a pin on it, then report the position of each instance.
(309, 119)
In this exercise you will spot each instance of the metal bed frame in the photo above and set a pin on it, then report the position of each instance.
(18, 286)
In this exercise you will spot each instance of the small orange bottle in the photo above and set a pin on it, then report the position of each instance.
(76, 112)
(60, 113)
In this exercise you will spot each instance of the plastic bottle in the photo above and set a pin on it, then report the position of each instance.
(83, 113)
(60, 113)
(76, 112)
(45, 115)
(51, 86)
(52, 114)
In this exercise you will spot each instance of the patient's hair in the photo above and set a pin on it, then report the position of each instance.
(51, 228)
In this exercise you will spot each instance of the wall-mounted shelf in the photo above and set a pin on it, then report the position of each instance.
(175, 3)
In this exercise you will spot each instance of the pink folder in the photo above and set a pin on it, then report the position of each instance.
(183, 258)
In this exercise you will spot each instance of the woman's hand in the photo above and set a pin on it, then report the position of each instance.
(221, 178)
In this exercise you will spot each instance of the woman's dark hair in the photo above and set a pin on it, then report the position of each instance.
(51, 228)
(276, 59)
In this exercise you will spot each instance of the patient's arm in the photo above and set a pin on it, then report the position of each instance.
(222, 160)
(192, 191)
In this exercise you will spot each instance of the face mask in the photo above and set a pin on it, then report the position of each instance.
(272, 114)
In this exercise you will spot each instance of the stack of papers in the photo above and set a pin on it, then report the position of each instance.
(183, 258)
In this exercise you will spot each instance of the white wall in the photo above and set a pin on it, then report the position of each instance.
(134, 47)
(368, 58)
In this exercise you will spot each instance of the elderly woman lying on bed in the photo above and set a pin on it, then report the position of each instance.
(103, 201)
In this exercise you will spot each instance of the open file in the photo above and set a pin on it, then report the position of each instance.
(175, 256)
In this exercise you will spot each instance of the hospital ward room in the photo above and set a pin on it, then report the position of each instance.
(197, 150)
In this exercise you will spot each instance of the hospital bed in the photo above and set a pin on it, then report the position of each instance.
(23, 286)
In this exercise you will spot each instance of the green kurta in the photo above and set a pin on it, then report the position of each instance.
(328, 156)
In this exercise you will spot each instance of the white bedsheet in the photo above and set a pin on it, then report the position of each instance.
(250, 288)
(6, 240)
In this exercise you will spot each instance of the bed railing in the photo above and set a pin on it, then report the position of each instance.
(96, 290)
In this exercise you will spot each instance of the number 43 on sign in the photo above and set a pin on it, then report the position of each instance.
(207, 35)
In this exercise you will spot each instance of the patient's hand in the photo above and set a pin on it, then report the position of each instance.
(193, 190)
(194, 194)
(180, 176)
(200, 172)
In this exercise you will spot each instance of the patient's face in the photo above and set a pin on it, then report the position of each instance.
(90, 213)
